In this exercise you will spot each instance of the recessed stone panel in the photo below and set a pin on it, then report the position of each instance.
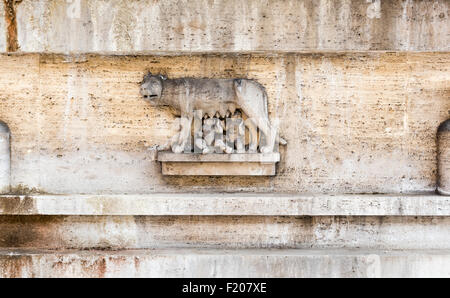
(354, 122)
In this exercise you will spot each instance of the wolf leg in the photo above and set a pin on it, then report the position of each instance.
(262, 122)
(184, 138)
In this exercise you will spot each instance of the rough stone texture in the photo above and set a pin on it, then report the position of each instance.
(216, 263)
(2, 28)
(133, 26)
(145, 232)
(444, 158)
(211, 97)
(22, 103)
(218, 169)
(218, 164)
(5, 162)
(354, 122)
(227, 204)
(357, 118)
(226, 158)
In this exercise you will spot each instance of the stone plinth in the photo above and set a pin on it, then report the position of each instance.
(191, 263)
(245, 164)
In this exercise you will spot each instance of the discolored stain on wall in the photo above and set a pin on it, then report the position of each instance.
(223, 232)
(12, 44)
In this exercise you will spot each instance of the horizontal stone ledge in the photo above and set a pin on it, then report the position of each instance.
(256, 263)
(227, 204)
(75, 57)
(216, 157)
(263, 53)
(236, 164)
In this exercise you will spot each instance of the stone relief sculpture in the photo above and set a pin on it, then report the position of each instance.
(209, 103)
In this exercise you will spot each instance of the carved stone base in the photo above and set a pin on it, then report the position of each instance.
(246, 164)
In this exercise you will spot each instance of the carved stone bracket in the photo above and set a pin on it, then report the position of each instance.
(246, 164)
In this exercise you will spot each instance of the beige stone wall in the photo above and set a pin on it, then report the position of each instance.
(354, 122)
(359, 86)
(223, 232)
(231, 25)
(2, 28)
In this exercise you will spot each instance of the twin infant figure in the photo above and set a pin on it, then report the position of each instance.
(221, 135)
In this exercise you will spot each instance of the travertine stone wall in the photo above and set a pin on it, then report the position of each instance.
(224, 232)
(2, 28)
(357, 118)
(231, 25)
(443, 144)
(354, 122)
(5, 163)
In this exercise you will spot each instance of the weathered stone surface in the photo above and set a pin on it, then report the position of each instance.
(5, 162)
(19, 109)
(149, 232)
(2, 28)
(226, 158)
(194, 263)
(208, 98)
(354, 122)
(139, 26)
(217, 169)
(226, 204)
(444, 158)
(235, 164)
(360, 88)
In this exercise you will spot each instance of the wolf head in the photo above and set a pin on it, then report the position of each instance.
(151, 87)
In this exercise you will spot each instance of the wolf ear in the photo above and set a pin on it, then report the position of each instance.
(238, 82)
(163, 77)
(147, 76)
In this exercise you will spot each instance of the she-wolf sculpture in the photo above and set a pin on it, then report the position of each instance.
(212, 97)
